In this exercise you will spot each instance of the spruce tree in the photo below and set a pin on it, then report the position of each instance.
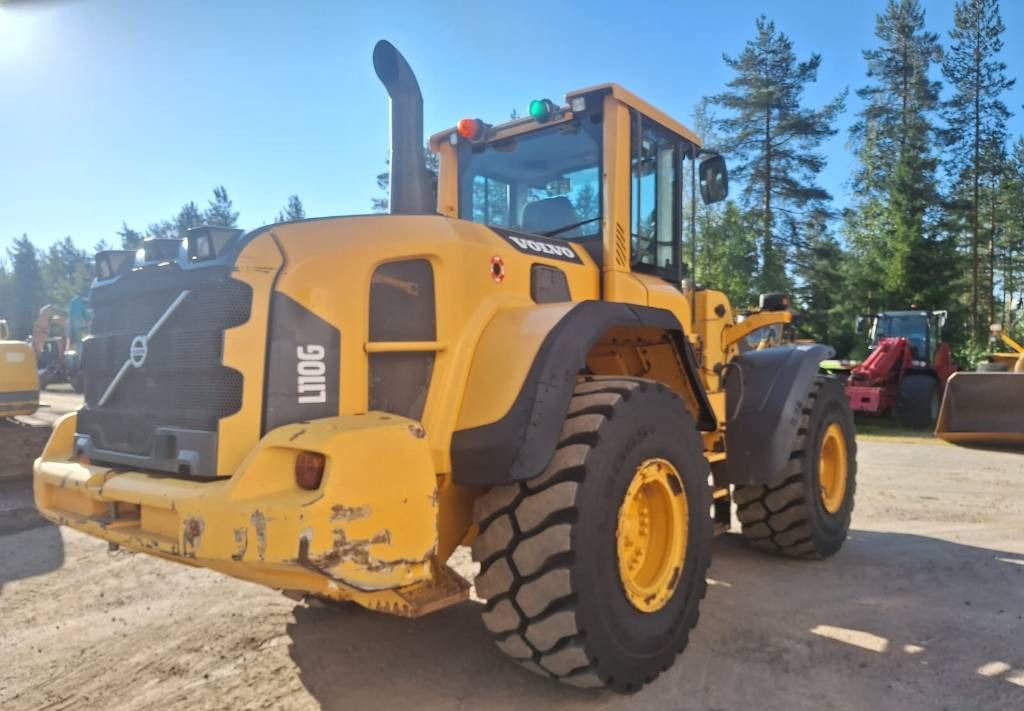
(28, 290)
(976, 125)
(773, 139)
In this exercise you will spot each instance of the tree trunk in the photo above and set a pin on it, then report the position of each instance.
(975, 321)
(992, 260)
(767, 243)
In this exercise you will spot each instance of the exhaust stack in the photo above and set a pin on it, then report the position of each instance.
(411, 192)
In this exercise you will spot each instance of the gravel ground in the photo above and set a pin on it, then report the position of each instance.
(922, 609)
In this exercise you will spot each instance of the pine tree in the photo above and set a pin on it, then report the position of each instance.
(189, 216)
(164, 229)
(895, 184)
(130, 239)
(67, 272)
(28, 291)
(775, 139)
(6, 292)
(731, 238)
(219, 213)
(433, 163)
(976, 124)
(292, 211)
(1011, 243)
(820, 292)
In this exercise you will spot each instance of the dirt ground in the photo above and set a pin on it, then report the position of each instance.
(922, 609)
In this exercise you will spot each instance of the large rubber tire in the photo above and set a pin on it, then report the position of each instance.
(547, 547)
(918, 405)
(789, 516)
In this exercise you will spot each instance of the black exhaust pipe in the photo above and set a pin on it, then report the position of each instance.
(411, 191)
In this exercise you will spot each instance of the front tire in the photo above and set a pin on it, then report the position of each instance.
(578, 587)
(918, 405)
(807, 513)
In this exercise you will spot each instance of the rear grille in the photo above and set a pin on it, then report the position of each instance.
(182, 383)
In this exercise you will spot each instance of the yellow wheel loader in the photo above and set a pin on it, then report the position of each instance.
(20, 443)
(986, 408)
(331, 406)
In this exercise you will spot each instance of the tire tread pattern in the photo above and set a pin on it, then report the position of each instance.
(526, 577)
(775, 517)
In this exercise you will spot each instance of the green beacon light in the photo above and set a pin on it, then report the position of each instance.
(542, 109)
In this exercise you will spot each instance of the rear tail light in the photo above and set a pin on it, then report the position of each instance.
(309, 470)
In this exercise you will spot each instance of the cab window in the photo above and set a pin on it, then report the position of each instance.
(546, 181)
(657, 178)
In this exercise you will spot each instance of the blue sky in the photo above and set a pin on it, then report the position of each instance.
(124, 110)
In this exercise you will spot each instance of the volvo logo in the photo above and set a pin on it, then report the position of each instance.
(140, 347)
(137, 353)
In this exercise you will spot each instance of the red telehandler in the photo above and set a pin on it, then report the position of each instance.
(906, 370)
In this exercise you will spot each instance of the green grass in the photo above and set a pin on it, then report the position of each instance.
(888, 428)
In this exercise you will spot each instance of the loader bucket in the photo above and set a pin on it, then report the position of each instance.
(983, 410)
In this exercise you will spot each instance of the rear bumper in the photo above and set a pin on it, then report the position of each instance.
(358, 537)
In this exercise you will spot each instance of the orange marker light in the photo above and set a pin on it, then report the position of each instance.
(470, 128)
(309, 470)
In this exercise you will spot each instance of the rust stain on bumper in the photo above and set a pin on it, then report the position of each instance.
(259, 522)
(340, 512)
(192, 535)
(242, 541)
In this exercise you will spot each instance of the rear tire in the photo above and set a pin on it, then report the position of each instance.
(918, 405)
(798, 516)
(549, 548)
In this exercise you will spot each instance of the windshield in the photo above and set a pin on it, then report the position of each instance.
(913, 327)
(543, 182)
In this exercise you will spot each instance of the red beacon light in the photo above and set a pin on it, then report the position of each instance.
(473, 129)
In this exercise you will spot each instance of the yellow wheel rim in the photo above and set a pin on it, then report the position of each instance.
(832, 468)
(652, 534)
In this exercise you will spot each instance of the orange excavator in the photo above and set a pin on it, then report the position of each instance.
(57, 342)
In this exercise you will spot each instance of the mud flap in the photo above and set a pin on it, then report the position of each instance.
(983, 410)
(765, 395)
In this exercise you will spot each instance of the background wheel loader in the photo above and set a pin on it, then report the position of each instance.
(906, 370)
(331, 406)
(20, 443)
(986, 408)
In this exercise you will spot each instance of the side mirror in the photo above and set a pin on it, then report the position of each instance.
(995, 329)
(714, 179)
(858, 325)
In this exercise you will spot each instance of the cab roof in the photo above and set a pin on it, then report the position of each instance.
(621, 94)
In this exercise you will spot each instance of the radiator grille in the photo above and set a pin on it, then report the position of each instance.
(182, 382)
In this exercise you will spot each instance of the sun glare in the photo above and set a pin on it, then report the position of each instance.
(16, 29)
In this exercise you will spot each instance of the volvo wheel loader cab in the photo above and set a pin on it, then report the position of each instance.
(331, 406)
